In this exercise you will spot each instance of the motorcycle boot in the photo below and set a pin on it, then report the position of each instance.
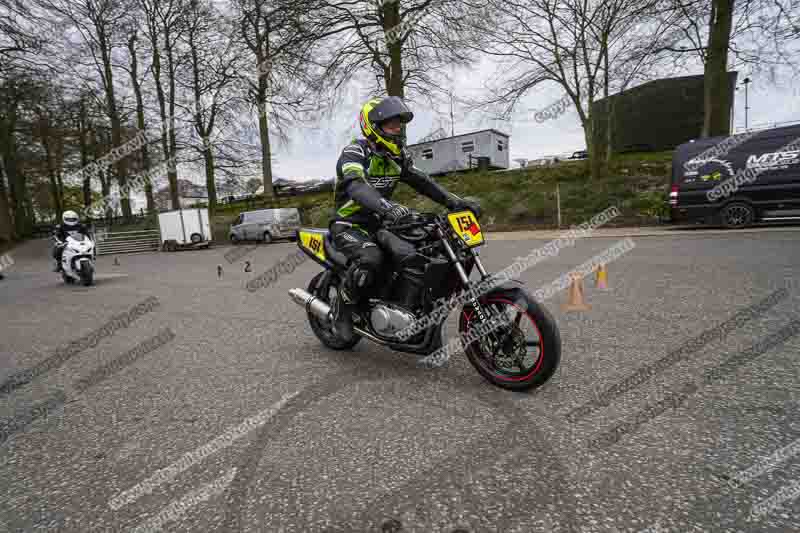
(350, 290)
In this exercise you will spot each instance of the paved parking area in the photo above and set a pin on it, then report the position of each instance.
(240, 420)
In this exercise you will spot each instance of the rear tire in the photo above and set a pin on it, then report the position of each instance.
(737, 215)
(547, 342)
(323, 331)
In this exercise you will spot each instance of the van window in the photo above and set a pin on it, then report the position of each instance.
(238, 220)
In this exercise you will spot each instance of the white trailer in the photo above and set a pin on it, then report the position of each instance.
(184, 228)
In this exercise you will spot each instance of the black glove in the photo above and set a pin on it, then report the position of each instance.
(459, 204)
(395, 213)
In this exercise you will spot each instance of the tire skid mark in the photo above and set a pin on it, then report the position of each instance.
(455, 469)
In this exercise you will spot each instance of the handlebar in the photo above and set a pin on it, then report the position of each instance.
(419, 219)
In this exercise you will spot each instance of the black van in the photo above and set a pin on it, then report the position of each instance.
(767, 188)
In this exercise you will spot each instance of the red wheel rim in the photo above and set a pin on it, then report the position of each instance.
(502, 376)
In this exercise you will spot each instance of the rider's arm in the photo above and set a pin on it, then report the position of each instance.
(60, 234)
(423, 184)
(352, 167)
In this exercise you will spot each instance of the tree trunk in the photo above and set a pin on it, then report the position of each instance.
(6, 229)
(173, 145)
(717, 94)
(172, 175)
(263, 122)
(51, 173)
(17, 186)
(116, 124)
(394, 84)
(208, 155)
(83, 126)
(105, 185)
(140, 122)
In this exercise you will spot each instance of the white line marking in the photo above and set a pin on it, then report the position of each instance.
(177, 509)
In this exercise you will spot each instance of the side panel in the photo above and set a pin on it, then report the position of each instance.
(170, 225)
(310, 241)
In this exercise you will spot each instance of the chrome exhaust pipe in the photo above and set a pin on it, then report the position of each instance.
(311, 303)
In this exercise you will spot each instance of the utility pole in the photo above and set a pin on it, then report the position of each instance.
(452, 119)
(746, 82)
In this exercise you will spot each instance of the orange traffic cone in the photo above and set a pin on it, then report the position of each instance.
(601, 282)
(575, 301)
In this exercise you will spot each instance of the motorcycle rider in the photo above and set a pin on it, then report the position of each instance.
(70, 225)
(366, 175)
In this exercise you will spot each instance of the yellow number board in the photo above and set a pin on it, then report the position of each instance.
(466, 226)
(313, 242)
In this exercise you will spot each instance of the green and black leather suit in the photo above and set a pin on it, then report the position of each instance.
(365, 182)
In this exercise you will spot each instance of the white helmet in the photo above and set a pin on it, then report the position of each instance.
(70, 218)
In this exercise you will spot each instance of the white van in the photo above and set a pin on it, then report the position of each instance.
(265, 225)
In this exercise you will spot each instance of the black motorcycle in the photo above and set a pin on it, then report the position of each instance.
(508, 351)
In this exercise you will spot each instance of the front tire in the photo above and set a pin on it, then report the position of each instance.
(322, 330)
(514, 346)
(87, 274)
(267, 237)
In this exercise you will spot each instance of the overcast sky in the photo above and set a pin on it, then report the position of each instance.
(315, 147)
(314, 152)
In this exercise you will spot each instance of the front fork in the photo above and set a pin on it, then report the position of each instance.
(476, 305)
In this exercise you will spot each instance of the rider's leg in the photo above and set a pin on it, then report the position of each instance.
(365, 259)
(57, 252)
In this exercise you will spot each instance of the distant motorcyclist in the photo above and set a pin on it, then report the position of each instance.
(70, 225)
(366, 175)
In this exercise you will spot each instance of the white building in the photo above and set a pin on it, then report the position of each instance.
(461, 152)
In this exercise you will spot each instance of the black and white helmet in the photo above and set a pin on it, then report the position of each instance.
(70, 218)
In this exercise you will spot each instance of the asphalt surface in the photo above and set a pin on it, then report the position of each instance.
(243, 421)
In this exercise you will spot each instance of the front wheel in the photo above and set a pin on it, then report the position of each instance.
(523, 352)
(87, 273)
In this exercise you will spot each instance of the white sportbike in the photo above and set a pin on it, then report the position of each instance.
(78, 259)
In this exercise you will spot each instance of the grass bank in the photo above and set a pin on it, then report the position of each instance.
(525, 198)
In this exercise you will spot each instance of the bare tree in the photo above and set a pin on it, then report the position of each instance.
(136, 84)
(165, 22)
(101, 25)
(212, 74)
(727, 35)
(14, 92)
(583, 46)
(281, 37)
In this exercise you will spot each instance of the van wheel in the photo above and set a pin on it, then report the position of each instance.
(234, 239)
(196, 238)
(738, 215)
(267, 237)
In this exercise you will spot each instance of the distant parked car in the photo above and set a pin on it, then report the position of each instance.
(265, 225)
(581, 154)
